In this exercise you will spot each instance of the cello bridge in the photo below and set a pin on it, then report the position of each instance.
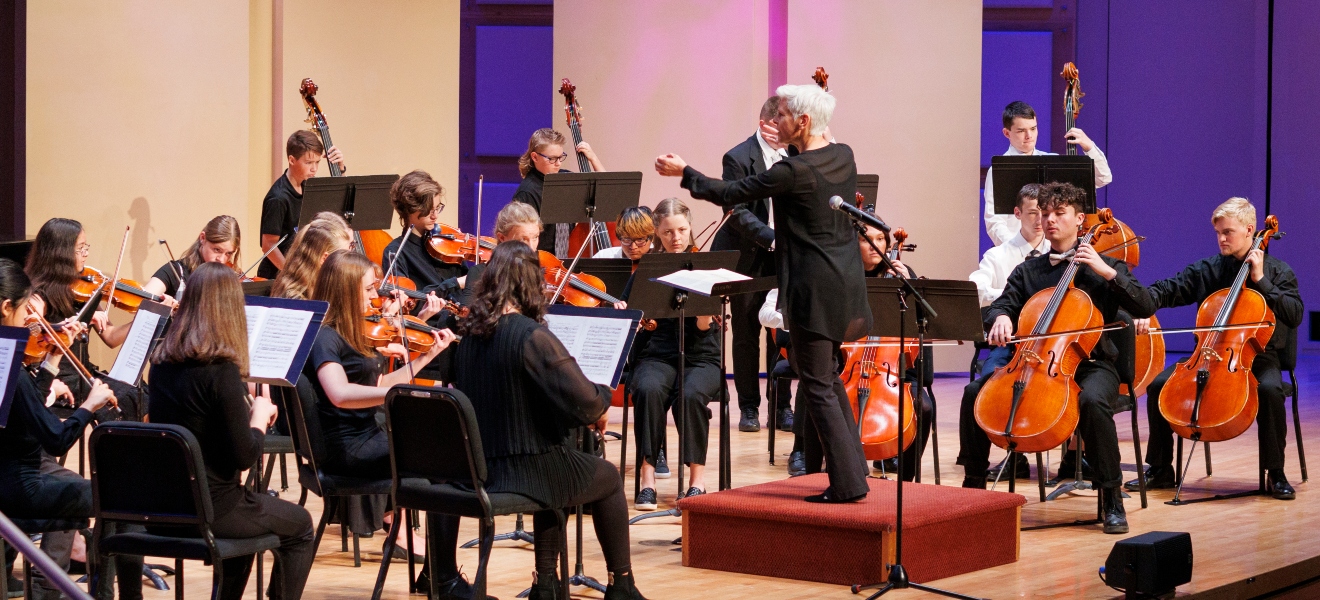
(1030, 355)
(1208, 353)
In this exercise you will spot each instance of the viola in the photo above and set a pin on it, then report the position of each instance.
(449, 244)
(579, 289)
(382, 332)
(1211, 396)
(308, 91)
(128, 294)
(874, 376)
(599, 234)
(1030, 405)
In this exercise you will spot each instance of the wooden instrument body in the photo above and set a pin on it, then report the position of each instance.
(128, 294)
(1115, 241)
(453, 246)
(872, 377)
(1149, 360)
(1228, 395)
(1040, 375)
(575, 292)
(582, 234)
(372, 242)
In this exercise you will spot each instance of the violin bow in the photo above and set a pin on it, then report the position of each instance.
(481, 180)
(178, 270)
(114, 281)
(569, 275)
(717, 224)
(263, 256)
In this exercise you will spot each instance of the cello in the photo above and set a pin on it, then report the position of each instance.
(1211, 396)
(1030, 405)
(874, 369)
(597, 233)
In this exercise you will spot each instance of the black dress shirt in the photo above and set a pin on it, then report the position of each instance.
(1207, 276)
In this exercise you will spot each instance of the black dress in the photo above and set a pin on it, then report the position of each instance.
(168, 274)
(279, 217)
(529, 192)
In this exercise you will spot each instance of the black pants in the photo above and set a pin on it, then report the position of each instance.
(609, 516)
(262, 514)
(653, 385)
(1271, 418)
(1099, 387)
(747, 343)
(829, 430)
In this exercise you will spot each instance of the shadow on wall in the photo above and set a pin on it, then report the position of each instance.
(139, 243)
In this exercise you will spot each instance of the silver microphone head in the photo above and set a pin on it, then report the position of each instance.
(836, 202)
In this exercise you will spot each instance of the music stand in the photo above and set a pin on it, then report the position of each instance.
(957, 301)
(724, 291)
(869, 186)
(362, 200)
(1013, 172)
(660, 301)
(581, 197)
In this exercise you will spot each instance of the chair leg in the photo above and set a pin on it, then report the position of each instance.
(387, 552)
(1297, 425)
(412, 518)
(1209, 470)
(327, 510)
(1041, 473)
(178, 579)
(623, 436)
(270, 470)
(1136, 444)
(217, 575)
(4, 577)
(934, 433)
(487, 534)
(302, 498)
(357, 551)
(261, 574)
(772, 402)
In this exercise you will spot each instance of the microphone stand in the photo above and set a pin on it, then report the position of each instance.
(898, 578)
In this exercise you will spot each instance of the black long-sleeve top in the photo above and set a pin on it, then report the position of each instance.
(529, 394)
(529, 192)
(430, 274)
(210, 400)
(31, 429)
(1036, 274)
(821, 279)
(1209, 275)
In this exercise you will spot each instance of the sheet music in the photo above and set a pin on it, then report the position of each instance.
(128, 364)
(8, 347)
(597, 343)
(273, 338)
(700, 281)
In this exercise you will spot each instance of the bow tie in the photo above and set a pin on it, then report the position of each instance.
(1055, 259)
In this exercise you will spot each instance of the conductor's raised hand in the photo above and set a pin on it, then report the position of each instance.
(670, 165)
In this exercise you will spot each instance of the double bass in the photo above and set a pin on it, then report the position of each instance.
(1211, 396)
(1030, 405)
(874, 375)
(599, 234)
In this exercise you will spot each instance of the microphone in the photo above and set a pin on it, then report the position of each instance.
(858, 214)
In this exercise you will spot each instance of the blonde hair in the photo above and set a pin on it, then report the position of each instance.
(322, 235)
(516, 213)
(635, 222)
(1235, 208)
(670, 207)
(219, 230)
(539, 140)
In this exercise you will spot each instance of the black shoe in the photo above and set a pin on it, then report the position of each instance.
(1157, 478)
(1279, 487)
(401, 553)
(1115, 516)
(888, 465)
(457, 588)
(828, 497)
(785, 419)
(15, 587)
(544, 588)
(751, 420)
(622, 587)
(974, 482)
(645, 500)
(797, 464)
(694, 491)
(1023, 469)
(661, 466)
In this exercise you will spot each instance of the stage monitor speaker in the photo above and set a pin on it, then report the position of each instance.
(1150, 564)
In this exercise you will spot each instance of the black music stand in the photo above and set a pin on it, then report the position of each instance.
(958, 302)
(581, 197)
(660, 301)
(1013, 172)
(362, 200)
(869, 187)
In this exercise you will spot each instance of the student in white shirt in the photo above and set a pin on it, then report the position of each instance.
(1020, 129)
(635, 229)
(992, 274)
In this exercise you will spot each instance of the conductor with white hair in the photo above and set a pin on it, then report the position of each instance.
(821, 280)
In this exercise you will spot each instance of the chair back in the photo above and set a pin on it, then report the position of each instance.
(305, 425)
(1288, 353)
(433, 435)
(149, 473)
(1126, 341)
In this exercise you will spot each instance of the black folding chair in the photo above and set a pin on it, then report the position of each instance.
(172, 494)
(32, 527)
(1288, 364)
(439, 467)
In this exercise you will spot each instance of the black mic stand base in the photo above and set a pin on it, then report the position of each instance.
(898, 580)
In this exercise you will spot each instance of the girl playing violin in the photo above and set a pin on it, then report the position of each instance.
(635, 228)
(517, 222)
(545, 154)
(218, 242)
(655, 374)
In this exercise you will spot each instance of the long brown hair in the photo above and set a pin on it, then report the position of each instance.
(340, 284)
(512, 278)
(210, 324)
(51, 266)
(312, 243)
(539, 140)
(219, 230)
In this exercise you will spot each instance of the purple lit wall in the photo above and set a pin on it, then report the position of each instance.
(514, 83)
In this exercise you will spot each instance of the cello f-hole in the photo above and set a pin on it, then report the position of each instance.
(1053, 367)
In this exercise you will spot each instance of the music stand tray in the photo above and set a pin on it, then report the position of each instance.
(1013, 172)
(362, 200)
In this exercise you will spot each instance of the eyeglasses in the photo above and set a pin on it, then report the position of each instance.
(554, 160)
(627, 241)
(83, 249)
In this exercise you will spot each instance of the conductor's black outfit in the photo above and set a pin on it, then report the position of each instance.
(747, 231)
(822, 288)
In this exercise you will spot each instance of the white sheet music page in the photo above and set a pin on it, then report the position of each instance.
(273, 337)
(7, 348)
(596, 342)
(700, 281)
(132, 355)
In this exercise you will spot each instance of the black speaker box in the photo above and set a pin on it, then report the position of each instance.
(1151, 563)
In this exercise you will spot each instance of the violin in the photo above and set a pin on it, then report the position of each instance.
(599, 234)
(308, 91)
(1211, 396)
(409, 289)
(382, 332)
(128, 294)
(579, 289)
(40, 343)
(1030, 405)
(447, 244)
(56, 339)
(874, 376)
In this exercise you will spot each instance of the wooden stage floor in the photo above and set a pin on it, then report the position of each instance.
(1243, 547)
